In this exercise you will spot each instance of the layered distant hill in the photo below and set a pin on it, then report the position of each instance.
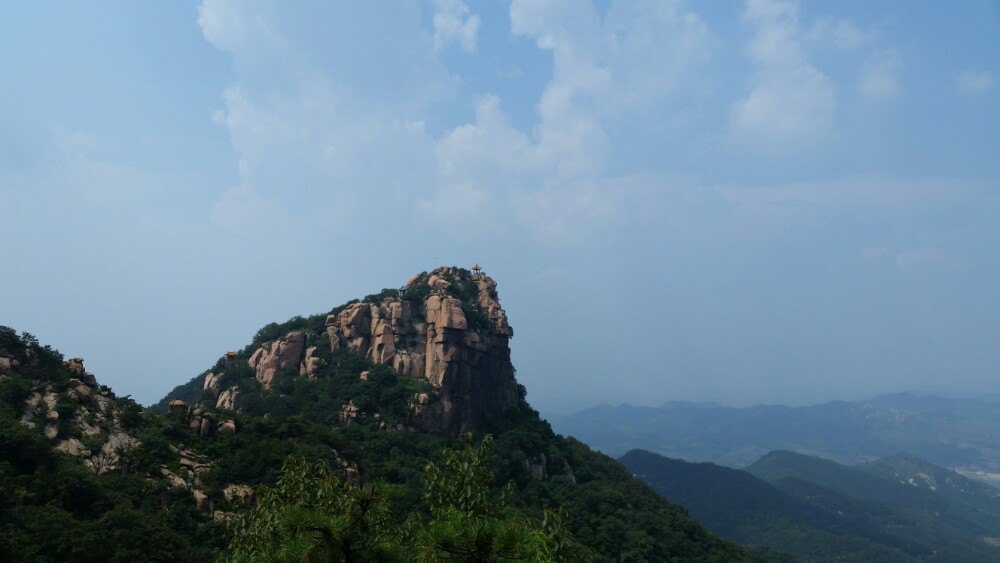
(954, 433)
(894, 509)
(376, 388)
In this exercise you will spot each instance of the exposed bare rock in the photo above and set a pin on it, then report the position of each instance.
(469, 365)
(200, 421)
(310, 363)
(488, 302)
(445, 312)
(348, 413)
(32, 407)
(227, 399)
(419, 405)
(193, 465)
(275, 358)
(351, 328)
(212, 381)
(177, 407)
(438, 283)
(7, 364)
(568, 471)
(200, 500)
(537, 468)
(364, 375)
(109, 458)
(72, 446)
(75, 366)
(383, 342)
(226, 427)
(242, 493)
(79, 390)
(95, 415)
(172, 478)
(197, 418)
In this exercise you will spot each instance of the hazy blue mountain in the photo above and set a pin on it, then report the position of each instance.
(900, 480)
(819, 510)
(955, 433)
(920, 474)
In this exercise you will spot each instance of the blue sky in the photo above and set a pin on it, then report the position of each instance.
(770, 201)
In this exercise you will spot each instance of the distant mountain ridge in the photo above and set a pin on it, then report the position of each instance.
(819, 510)
(955, 433)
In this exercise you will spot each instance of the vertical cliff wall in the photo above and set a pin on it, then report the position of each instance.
(446, 327)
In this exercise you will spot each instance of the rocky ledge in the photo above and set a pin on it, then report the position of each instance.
(446, 327)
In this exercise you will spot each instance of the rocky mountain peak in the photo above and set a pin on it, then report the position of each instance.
(445, 327)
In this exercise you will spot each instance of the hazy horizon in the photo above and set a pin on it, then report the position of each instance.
(766, 202)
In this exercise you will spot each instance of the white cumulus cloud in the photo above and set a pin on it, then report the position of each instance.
(789, 95)
(842, 33)
(879, 76)
(454, 24)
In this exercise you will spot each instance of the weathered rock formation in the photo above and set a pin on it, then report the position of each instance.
(446, 327)
(198, 419)
(467, 362)
(95, 418)
(7, 364)
(227, 399)
(276, 358)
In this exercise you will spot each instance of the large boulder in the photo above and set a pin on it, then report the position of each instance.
(200, 500)
(212, 381)
(7, 365)
(276, 358)
(310, 363)
(177, 407)
(227, 399)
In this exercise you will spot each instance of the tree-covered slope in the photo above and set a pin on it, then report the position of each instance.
(375, 389)
(53, 507)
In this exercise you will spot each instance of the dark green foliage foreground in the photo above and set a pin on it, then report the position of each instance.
(53, 509)
(310, 515)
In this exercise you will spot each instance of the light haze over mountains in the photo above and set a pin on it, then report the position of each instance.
(772, 201)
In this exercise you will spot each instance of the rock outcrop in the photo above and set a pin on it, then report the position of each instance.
(227, 399)
(198, 419)
(212, 381)
(446, 327)
(466, 361)
(95, 417)
(276, 358)
(7, 365)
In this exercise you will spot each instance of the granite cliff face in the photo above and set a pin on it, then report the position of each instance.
(446, 327)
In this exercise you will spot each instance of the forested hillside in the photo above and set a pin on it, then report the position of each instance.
(374, 399)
